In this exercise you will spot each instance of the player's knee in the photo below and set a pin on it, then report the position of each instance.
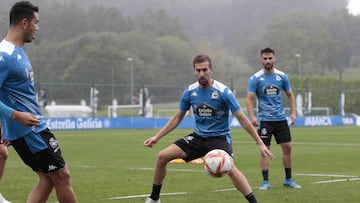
(163, 158)
(4, 154)
(287, 150)
(62, 176)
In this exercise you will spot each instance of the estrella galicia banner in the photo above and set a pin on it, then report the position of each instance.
(87, 123)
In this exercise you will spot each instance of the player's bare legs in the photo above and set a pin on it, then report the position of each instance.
(286, 156)
(289, 181)
(264, 165)
(60, 180)
(163, 158)
(264, 162)
(62, 184)
(41, 191)
(3, 156)
(242, 184)
(240, 181)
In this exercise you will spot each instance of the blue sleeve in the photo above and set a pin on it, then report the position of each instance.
(252, 85)
(286, 86)
(4, 71)
(5, 110)
(231, 101)
(184, 101)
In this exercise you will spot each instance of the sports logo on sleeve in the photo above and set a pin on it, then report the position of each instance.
(30, 74)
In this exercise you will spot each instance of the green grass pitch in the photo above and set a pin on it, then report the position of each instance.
(114, 166)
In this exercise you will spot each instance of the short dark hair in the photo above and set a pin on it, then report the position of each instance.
(21, 10)
(267, 50)
(201, 58)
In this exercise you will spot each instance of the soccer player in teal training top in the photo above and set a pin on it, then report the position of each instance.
(268, 85)
(23, 125)
(211, 102)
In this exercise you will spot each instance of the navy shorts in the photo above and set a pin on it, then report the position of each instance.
(46, 160)
(196, 147)
(280, 130)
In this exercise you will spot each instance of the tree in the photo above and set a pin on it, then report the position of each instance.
(305, 34)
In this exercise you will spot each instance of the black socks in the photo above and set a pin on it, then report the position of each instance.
(155, 194)
(251, 198)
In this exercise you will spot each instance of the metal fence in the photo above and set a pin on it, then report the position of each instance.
(324, 101)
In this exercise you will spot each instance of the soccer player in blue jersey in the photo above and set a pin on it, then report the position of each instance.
(267, 85)
(23, 125)
(211, 102)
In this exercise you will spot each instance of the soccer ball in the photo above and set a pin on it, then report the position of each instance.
(217, 163)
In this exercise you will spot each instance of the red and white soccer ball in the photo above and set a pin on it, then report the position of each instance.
(217, 163)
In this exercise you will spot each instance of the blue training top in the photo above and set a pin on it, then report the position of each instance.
(211, 108)
(268, 89)
(17, 91)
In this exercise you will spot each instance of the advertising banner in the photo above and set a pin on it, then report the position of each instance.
(88, 123)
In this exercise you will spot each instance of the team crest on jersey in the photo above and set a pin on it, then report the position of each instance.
(205, 111)
(214, 95)
(19, 57)
(278, 78)
(194, 94)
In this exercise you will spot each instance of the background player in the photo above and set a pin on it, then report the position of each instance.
(267, 85)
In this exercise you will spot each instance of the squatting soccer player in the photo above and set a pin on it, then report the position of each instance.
(211, 102)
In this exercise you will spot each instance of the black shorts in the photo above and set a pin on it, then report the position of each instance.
(280, 130)
(47, 160)
(195, 146)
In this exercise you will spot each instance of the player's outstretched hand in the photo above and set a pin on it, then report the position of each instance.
(25, 118)
(265, 152)
(150, 142)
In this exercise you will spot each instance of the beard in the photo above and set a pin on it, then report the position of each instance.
(203, 81)
(268, 66)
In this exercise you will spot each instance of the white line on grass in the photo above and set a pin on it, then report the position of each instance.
(337, 180)
(146, 195)
(326, 144)
(224, 190)
(84, 166)
(297, 174)
(169, 169)
(162, 194)
(345, 178)
(325, 175)
(309, 143)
